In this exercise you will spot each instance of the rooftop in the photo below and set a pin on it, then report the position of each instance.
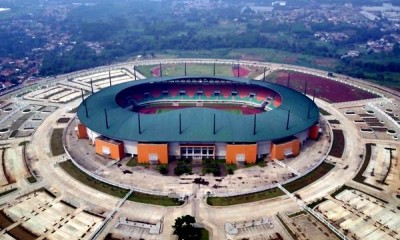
(197, 122)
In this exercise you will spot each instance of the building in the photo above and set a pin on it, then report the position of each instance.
(198, 117)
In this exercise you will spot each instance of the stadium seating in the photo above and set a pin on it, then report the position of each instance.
(242, 93)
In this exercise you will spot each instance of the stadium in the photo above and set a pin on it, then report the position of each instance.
(197, 117)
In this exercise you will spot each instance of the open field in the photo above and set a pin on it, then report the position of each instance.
(198, 69)
(235, 109)
(324, 88)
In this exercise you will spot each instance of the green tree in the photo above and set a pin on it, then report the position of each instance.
(184, 228)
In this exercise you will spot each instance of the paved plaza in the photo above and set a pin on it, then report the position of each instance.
(39, 200)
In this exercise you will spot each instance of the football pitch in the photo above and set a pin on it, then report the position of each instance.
(163, 110)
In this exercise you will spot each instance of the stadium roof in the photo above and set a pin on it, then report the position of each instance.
(197, 122)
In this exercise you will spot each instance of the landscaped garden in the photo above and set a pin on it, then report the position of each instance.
(154, 199)
(309, 178)
(226, 201)
(345, 187)
(89, 181)
(63, 120)
(324, 112)
(56, 144)
(367, 158)
(183, 166)
(293, 186)
(212, 166)
(338, 143)
(8, 191)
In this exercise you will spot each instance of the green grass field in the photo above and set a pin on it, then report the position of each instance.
(145, 70)
(204, 234)
(226, 201)
(191, 69)
(293, 186)
(163, 110)
(89, 181)
(56, 144)
(234, 111)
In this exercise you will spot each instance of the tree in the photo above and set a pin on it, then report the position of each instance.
(184, 228)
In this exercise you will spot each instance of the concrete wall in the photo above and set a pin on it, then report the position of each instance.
(130, 147)
(248, 150)
(313, 132)
(116, 148)
(173, 149)
(302, 136)
(144, 151)
(81, 131)
(278, 150)
(220, 150)
(92, 135)
(263, 147)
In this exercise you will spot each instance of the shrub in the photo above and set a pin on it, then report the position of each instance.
(163, 169)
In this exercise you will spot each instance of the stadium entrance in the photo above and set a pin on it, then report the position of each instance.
(197, 152)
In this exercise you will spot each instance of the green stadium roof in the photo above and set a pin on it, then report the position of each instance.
(197, 122)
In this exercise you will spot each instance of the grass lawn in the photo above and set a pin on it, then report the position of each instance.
(316, 202)
(89, 181)
(191, 69)
(359, 177)
(345, 187)
(208, 69)
(204, 234)
(368, 149)
(31, 179)
(211, 166)
(23, 143)
(163, 110)
(56, 142)
(324, 112)
(132, 162)
(297, 214)
(63, 120)
(197, 69)
(338, 143)
(145, 70)
(231, 168)
(226, 201)
(153, 199)
(8, 191)
(334, 121)
(234, 111)
(306, 180)
(293, 186)
(260, 162)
